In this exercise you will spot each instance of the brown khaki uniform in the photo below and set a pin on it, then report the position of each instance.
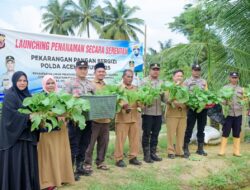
(176, 120)
(126, 126)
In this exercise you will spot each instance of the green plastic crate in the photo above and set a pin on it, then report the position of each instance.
(101, 107)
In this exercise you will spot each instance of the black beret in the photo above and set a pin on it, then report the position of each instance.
(99, 65)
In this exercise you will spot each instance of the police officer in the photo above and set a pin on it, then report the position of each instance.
(234, 119)
(152, 118)
(79, 139)
(5, 81)
(193, 116)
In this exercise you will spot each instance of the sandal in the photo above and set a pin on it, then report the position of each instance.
(88, 168)
(102, 167)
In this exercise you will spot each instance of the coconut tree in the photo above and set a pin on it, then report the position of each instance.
(119, 23)
(57, 18)
(85, 14)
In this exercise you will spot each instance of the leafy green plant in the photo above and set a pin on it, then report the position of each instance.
(226, 94)
(198, 99)
(45, 108)
(176, 92)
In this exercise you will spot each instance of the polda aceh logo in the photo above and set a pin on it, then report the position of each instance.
(2, 41)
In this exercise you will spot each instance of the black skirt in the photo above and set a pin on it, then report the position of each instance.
(19, 167)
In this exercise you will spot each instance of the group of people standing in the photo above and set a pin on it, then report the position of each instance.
(41, 160)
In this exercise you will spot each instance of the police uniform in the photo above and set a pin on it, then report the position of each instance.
(100, 132)
(193, 116)
(79, 139)
(126, 126)
(6, 78)
(234, 119)
(151, 121)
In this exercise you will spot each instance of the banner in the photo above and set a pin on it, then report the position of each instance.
(41, 54)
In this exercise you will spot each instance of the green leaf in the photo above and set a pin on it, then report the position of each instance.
(36, 121)
(59, 109)
(24, 111)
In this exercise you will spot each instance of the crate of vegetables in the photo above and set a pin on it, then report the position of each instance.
(101, 107)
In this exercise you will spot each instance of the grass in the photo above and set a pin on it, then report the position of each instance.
(198, 172)
(235, 176)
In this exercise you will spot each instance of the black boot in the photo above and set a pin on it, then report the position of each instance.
(200, 150)
(147, 157)
(154, 155)
(76, 175)
(186, 150)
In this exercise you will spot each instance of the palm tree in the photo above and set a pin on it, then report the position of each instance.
(86, 13)
(57, 18)
(230, 20)
(119, 24)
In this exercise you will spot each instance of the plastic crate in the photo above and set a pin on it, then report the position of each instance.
(101, 107)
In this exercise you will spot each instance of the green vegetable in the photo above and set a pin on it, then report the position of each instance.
(245, 101)
(176, 92)
(147, 94)
(226, 94)
(45, 108)
(199, 98)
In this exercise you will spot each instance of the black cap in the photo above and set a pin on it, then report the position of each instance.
(82, 64)
(234, 74)
(9, 58)
(196, 67)
(155, 65)
(99, 65)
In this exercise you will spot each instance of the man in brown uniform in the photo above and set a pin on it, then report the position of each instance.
(234, 118)
(126, 125)
(100, 127)
(176, 119)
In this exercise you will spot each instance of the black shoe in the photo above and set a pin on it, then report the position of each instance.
(77, 177)
(154, 156)
(147, 157)
(200, 150)
(186, 150)
(171, 156)
(134, 161)
(120, 164)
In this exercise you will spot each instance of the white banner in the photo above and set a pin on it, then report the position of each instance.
(40, 54)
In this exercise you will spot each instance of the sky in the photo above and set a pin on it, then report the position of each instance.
(25, 15)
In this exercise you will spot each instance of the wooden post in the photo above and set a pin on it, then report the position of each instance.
(145, 50)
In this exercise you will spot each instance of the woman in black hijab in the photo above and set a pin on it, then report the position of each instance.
(18, 145)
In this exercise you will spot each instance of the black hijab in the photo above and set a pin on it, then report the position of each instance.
(14, 125)
(20, 93)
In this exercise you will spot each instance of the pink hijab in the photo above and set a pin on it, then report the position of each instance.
(44, 81)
